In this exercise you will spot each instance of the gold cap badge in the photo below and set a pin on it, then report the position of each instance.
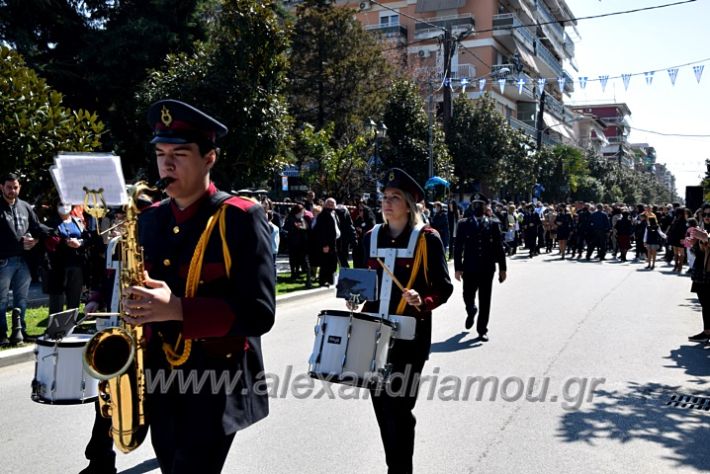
(165, 116)
(391, 176)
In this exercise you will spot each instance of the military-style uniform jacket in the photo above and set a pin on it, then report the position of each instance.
(434, 293)
(227, 316)
(479, 246)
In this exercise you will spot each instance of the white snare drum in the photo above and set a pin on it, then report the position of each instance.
(60, 378)
(351, 348)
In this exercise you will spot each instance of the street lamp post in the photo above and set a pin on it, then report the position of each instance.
(380, 132)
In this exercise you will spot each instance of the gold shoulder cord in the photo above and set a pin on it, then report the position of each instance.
(174, 358)
(419, 258)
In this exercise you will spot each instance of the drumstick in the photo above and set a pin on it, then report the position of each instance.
(394, 278)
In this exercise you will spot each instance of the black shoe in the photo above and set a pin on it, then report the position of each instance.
(99, 468)
(483, 337)
(700, 337)
(469, 321)
(471, 314)
(4, 341)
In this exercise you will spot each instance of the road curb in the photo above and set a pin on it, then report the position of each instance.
(17, 355)
(26, 353)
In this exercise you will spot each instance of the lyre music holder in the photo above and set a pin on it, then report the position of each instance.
(357, 285)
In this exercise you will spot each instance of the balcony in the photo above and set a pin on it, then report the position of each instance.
(549, 65)
(556, 108)
(434, 26)
(461, 71)
(520, 125)
(547, 17)
(569, 46)
(389, 32)
(509, 25)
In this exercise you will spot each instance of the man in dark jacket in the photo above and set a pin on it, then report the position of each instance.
(477, 249)
(19, 233)
(347, 235)
(326, 232)
(440, 222)
(211, 287)
(599, 227)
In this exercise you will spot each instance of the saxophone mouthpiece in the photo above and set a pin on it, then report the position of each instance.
(163, 183)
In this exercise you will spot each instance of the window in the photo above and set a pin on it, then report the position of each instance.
(389, 19)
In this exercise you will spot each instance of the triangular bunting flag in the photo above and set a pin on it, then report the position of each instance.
(482, 84)
(649, 77)
(464, 83)
(673, 74)
(626, 78)
(501, 84)
(583, 81)
(521, 83)
(561, 82)
(541, 84)
(603, 80)
(698, 70)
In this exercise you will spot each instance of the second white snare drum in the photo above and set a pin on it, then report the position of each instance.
(351, 348)
(60, 378)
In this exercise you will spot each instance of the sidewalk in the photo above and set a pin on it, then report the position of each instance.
(26, 353)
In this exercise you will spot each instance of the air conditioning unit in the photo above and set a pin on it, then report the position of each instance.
(365, 5)
(423, 53)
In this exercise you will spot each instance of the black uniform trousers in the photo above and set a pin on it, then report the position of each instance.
(186, 428)
(599, 242)
(99, 451)
(394, 404)
(481, 282)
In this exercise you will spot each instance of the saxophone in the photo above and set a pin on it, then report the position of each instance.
(116, 355)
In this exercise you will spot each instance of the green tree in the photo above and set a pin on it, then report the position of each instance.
(520, 169)
(34, 125)
(407, 143)
(98, 52)
(339, 171)
(338, 73)
(237, 75)
(563, 169)
(478, 141)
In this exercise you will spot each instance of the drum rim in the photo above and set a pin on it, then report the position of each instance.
(40, 341)
(357, 315)
(65, 401)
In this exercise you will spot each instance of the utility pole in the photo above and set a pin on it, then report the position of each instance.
(448, 53)
(431, 129)
(539, 121)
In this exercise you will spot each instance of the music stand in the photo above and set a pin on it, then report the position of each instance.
(357, 285)
(61, 324)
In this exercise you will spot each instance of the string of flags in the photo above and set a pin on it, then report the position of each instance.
(582, 81)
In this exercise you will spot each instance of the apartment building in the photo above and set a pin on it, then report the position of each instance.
(509, 44)
(615, 118)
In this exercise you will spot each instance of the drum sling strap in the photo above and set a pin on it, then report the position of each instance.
(420, 259)
(175, 358)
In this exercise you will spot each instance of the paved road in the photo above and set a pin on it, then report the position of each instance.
(565, 324)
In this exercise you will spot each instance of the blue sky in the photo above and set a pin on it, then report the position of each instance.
(645, 41)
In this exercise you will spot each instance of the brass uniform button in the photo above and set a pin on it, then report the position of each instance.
(166, 262)
(176, 230)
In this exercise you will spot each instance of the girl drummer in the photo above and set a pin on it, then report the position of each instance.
(426, 283)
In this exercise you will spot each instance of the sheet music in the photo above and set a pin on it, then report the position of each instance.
(72, 172)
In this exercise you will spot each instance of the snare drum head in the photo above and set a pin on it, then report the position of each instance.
(361, 316)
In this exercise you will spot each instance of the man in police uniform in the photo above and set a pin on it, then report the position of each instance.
(477, 249)
(222, 315)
